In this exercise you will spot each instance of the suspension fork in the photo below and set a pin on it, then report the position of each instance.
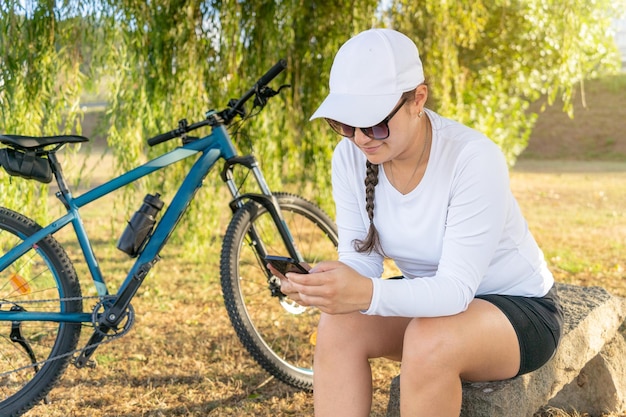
(266, 199)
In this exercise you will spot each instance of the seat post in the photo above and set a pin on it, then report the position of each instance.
(58, 174)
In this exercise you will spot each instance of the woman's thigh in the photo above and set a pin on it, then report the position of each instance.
(374, 336)
(479, 344)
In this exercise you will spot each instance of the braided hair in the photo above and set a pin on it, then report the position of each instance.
(372, 240)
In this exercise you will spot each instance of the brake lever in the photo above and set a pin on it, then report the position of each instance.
(283, 87)
(266, 93)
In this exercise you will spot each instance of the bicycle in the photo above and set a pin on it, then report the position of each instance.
(41, 302)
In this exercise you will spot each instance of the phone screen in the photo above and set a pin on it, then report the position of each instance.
(284, 264)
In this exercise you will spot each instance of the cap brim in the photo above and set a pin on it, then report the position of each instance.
(358, 111)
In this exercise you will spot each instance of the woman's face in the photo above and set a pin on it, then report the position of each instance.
(404, 133)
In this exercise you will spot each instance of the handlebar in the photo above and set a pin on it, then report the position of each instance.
(163, 137)
(182, 128)
(229, 113)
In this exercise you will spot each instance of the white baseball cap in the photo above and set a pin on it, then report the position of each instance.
(369, 74)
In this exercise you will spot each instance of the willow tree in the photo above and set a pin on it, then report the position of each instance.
(171, 59)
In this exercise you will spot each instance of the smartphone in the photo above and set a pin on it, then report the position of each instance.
(284, 264)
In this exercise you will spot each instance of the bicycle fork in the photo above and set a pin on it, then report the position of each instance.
(270, 203)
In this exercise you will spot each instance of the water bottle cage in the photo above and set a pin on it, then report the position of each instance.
(140, 226)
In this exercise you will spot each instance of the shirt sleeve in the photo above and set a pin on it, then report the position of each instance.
(475, 220)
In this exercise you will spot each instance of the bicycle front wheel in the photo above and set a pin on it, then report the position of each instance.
(42, 280)
(278, 333)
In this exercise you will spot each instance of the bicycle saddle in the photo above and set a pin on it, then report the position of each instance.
(34, 142)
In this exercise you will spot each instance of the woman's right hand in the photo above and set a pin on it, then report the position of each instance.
(332, 286)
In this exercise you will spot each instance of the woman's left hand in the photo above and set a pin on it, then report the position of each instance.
(333, 287)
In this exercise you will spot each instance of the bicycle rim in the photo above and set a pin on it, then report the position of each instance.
(279, 334)
(35, 282)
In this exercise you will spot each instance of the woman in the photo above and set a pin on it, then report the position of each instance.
(475, 301)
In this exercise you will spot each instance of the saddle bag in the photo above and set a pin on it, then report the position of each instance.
(26, 165)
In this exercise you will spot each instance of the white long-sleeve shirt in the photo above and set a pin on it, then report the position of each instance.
(458, 234)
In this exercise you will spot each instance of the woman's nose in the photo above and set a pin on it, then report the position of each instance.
(361, 138)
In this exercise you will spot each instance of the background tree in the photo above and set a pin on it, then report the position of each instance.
(165, 60)
(40, 80)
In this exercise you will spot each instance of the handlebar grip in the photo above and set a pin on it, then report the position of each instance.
(163, 137)
(272, 73)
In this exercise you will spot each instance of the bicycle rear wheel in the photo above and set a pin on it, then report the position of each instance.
(278, 333)
(36, 282)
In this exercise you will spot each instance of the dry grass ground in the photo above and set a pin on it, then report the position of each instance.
(182, 358)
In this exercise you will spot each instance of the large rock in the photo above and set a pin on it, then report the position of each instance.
(587, 373)
(600, 387)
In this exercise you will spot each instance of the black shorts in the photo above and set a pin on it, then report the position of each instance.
(538, 323)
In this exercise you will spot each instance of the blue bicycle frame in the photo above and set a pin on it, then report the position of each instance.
(212, 147)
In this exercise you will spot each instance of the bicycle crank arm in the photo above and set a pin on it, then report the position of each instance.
(104, 331)
(116, 313)
(84, 359)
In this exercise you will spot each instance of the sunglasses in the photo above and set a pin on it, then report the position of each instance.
(379, 131)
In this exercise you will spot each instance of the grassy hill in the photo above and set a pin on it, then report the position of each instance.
(596, 132)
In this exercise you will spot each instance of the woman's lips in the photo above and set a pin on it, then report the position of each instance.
(370, 149)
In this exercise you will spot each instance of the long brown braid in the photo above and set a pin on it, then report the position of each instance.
(372, 240)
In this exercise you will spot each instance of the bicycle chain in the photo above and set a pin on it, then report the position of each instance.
(109, 338)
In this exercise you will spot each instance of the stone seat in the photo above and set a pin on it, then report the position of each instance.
(587, 374)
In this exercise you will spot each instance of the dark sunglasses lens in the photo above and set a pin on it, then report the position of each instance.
(380, 131)
(342, 129)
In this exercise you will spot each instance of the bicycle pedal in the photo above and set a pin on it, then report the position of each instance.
(89, 363)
